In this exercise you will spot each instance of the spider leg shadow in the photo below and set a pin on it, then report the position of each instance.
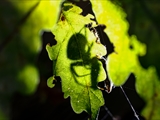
(76, 51)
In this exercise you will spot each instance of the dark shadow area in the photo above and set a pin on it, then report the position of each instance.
(106, 85)
(86, 6)
(76, 51)
(44, 64)
(105, 39)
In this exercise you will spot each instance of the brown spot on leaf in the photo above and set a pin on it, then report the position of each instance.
(62, 18)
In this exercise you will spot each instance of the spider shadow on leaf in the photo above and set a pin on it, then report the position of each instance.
(84, 68)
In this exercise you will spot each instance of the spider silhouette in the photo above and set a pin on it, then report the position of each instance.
(83, 66)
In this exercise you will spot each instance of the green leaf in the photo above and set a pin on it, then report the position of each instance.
(28, 79)
(124, 60)
(147, 85)
(50, 82)
(74, 59)
(120, 64)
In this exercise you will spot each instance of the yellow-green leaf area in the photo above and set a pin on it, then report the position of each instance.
(118, 67)
(50, 82)
(74, 60)
(113, 17)
(122, 61)
(147, 85)
(125, 58)
(40, 15)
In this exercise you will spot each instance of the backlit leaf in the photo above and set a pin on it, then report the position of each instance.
(50, 82)
(124, 61)
(74, 59)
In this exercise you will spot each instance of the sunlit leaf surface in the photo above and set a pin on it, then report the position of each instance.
(124, 60)
(74, 59)
(50, 82)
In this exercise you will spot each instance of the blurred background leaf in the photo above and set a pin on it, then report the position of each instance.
(128, 50)
(21, 23)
